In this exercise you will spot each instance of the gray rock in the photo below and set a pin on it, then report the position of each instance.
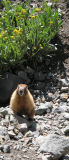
(3, 131)
(47, 62)
(40, 85)
(65, 108)
(42, 127)
(50, 96)
(39, 76)
(64, 89)
(64, 82)
(8, 84)
(40, 140)
(3, 111)
(54, 144)
(11, 134)
(43, 108)
(68, 100)
(7, 137)
(24, 76)
(66, 115)
(64, 97)
(66, 130)
(60, 109)
(49, 75)
(66, 157)
(1, 157)
(57, 109)
(23, 127)
(18, 147)
(37, 103)
(5, 148)
(1, 139)
(12, 119)
(10, 127)
(4, 122)
(29, 70)
(19, 136)
(9, 111)
(28, 141)
(29, 134)
(22, 120)
(46, 157)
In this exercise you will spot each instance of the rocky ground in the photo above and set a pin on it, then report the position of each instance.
(47, 136)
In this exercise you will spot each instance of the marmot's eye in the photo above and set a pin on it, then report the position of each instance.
(26, 87)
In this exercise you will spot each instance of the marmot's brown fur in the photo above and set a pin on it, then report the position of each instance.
(22, 101)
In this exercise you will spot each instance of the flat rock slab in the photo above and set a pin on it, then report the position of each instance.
(54, 144)
(43, 108)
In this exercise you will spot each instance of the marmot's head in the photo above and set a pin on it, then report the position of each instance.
(22, 89)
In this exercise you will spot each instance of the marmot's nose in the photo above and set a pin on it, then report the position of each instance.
(21, 92)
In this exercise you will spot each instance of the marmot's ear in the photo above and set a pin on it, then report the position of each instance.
(18, 86)
(27, 87)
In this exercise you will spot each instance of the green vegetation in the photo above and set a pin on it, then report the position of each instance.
(26, 33)
(55, 1)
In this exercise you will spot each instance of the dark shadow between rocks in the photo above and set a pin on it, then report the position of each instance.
(53, 72)
(64, 158)
(8, 83)
(31, 124)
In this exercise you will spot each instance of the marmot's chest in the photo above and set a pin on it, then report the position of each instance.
(24, 103)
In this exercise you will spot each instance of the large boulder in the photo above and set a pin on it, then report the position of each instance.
(8, 83)
(53, 144)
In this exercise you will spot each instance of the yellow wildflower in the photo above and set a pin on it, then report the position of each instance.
(32, 17)
(0, 35)
(18, 13)
(3, 32)
(17, 31)
(8, 27)
(41, 47)
(3, 17)
(12, 37)
(5, 37)
(51, 22)
(23, 11)
(38, 9)
(34, 48)
(20, 29)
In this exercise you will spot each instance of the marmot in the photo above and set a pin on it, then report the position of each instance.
(22, 102)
